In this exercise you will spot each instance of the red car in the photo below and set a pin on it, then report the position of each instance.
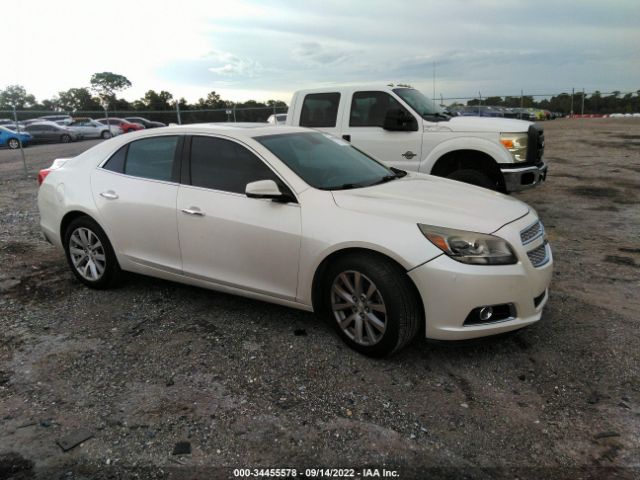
(125, 126)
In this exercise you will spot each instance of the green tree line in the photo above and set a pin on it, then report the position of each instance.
(104, 87)
(594, 103)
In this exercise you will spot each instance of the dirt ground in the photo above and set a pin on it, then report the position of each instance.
(249, 384)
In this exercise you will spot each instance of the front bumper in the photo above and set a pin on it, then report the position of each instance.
(520, 178)
(451, 290)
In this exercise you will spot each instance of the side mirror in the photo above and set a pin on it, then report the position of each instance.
(267, 189)
(398, 119)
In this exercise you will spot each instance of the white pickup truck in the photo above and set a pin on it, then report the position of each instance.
(403, 128)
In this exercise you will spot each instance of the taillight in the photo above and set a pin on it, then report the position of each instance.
(42, 174)
(57, 163)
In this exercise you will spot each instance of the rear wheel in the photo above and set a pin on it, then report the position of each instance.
(90, 254)
(371, 303)
(474, 177)
(106, 134)
(13, 143)
(65, 138)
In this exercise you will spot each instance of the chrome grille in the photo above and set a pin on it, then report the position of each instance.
(532, 232)
(539, 255)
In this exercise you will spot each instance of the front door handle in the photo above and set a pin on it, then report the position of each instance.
(109, 195)
(193, 211)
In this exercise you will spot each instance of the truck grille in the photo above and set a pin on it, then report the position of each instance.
(535, 144)
(532, 232)
(539, 256)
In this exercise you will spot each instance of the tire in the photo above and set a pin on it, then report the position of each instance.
(82, 236)
(385, 292)
(65, 138)
(474, 177)
(106, 134)
(13, 143)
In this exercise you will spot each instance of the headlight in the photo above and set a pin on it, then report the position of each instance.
(516, 143)
(470, 247)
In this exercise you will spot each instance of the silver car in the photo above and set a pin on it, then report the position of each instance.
(89, 128)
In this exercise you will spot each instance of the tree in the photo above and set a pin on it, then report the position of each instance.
(16, 96)
(213, 100)
(106, 84)
(153, 100)
(77, 99)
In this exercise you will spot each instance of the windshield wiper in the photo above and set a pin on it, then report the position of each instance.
(397, 173)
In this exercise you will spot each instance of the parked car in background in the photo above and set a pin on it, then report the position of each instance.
(300, 218)
(277, 119)
(51, 132)
(124, 125)
(403, 128)
(6, 121)
(10, 138)
(143, 121)
(59, 119)
(89, 128)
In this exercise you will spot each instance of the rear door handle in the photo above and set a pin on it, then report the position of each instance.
(109, 195)
(193, 211)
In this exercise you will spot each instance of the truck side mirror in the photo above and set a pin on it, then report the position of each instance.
(398, 119)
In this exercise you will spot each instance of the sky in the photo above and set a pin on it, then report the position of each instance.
(267, 49)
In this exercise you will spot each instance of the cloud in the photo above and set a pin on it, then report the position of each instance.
(230, 65)
(314, 53)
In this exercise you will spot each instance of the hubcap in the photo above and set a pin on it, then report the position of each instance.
(358, 307)
(13, 143)
(87, 254)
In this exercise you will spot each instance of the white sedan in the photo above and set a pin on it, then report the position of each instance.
(299, 218)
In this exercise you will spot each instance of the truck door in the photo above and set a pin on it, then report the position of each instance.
(363, 127)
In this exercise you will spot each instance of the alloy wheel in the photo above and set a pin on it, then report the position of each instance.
(87, 254)
(358, 307)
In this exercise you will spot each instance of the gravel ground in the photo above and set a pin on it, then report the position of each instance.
(249, 384)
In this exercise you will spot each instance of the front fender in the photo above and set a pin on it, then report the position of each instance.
(493, 149)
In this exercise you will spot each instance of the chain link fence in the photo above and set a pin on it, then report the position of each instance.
(177, 116)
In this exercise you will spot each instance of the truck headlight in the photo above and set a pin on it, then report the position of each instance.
(516, 143)
(470, 247)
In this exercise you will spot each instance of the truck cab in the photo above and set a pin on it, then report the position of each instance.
(401, 127)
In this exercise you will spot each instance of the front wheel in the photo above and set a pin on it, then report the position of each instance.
(65, 138)
(371, 303)
(13, 143)
(474, 177)
(106, 134)
(90, 254)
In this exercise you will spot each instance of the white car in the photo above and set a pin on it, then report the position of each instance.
(300, 218)
(277, 119)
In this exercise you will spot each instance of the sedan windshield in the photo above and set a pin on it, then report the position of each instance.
(326, 162)
(420, 103)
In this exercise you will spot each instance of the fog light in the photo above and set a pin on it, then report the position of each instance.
(486, 313)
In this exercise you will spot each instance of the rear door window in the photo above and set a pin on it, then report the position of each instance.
(151, 158)
(320, 110)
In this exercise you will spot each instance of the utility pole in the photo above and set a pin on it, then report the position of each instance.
(582, 108)
(521, 103)
(434, 81)
(573, 91)
(24, 161)
(178, 112)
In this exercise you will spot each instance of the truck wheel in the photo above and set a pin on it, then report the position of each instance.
(474, 177)
(371, 303)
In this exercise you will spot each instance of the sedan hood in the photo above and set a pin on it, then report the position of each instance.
(436, 201)
(485, 124)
